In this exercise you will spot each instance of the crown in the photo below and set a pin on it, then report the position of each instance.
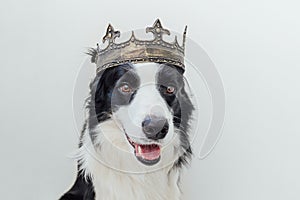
(139, 51)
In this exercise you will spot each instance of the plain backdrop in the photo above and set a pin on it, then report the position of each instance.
(255, 46)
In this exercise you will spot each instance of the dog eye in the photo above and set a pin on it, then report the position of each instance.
(170, 90)
(125, 88)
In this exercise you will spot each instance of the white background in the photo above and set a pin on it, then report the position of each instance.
(254, 44)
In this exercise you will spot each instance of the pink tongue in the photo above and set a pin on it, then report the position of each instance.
(148, 152)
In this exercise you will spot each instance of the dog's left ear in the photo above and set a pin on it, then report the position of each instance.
(99, 96)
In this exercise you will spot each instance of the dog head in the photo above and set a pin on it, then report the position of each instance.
(142, 109)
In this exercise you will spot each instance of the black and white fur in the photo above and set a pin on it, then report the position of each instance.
(106, 159)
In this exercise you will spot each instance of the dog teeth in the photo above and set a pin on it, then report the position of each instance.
(139, 149)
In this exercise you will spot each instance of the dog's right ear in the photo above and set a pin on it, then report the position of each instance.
(93, 53)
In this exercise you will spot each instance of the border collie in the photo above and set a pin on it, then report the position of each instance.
(135, 139)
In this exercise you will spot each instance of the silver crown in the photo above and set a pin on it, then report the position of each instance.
(140, 51)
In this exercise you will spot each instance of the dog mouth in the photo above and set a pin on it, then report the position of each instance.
(148, 154)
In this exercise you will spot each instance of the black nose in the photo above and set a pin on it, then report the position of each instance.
(155, 127)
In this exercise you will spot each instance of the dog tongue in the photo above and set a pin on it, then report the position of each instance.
(148, 152)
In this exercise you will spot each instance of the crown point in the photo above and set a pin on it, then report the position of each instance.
(176, 41)
(111, 34)
(157, 30)
(132, 38)
(184, 37)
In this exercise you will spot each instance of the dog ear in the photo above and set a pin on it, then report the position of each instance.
(98, 103)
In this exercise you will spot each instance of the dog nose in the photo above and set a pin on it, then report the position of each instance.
(155, 127)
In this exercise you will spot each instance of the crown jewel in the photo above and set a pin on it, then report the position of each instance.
(139, 51)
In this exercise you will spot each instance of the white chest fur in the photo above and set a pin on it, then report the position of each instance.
(112, 185)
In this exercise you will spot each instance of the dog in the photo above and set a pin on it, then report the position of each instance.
(125, 89)
(135, 139)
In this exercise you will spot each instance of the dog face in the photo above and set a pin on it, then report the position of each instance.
(142, 109)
